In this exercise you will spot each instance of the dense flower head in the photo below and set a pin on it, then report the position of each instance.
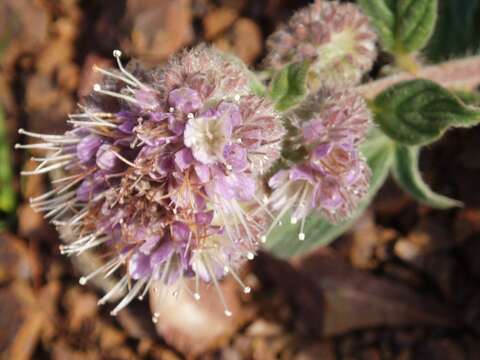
(163, 173)
(335, 37)
(332, 176)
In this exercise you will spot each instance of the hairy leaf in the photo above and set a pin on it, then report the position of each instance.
(289, 87)
(418, 112)
(283, 240)
(404, 26)
(407, 175)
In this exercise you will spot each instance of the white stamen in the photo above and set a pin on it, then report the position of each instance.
(113, 75)
(117, 54)
(197, 287)
(130, 296)
(53, 158)
(81, 123)
(44, 137)
(112, 263)
(301, 236)
(43, 146)
(217, 287)
(118, 287)
(45, 169)
(98, 88)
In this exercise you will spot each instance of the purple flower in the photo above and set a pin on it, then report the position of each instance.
(333, 177)
(106, 158)
(163, 172)
(185, 100)
(87, 148)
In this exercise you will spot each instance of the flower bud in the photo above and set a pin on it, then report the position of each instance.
(335, 37)
(332, 176)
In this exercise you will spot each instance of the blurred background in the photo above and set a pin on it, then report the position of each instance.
(402, 284)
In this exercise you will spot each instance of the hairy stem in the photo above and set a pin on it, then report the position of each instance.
(463, 74)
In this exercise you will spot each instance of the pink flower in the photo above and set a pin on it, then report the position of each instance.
(332, 178)
(164, 171)
(335, 37)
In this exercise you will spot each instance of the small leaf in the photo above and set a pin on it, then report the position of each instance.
(418, 112)
(283, 240)
(404, 26)
(7, 194)
(289, 86)
(406, 173)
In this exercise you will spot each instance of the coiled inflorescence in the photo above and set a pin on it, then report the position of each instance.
(336, 38)
(323, 170)
(162, 172)
(331, 176)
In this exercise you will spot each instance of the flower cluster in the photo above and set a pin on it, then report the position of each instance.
(165, 169)
(323, 169)
(336, 38)
(332, 176)
(163, 173)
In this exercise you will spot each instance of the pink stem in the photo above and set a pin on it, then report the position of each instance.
(463, 74)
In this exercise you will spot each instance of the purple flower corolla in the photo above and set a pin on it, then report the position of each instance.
(163, 170)
(333, 176)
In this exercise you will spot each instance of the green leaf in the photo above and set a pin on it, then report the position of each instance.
(418, 112)
(407, 174)
(403, 26)
(7, 194)
(457, 29)
(289, 86)
(283, 240)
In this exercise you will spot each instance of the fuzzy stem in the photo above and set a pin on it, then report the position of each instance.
(408, 63)
(463, 74)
